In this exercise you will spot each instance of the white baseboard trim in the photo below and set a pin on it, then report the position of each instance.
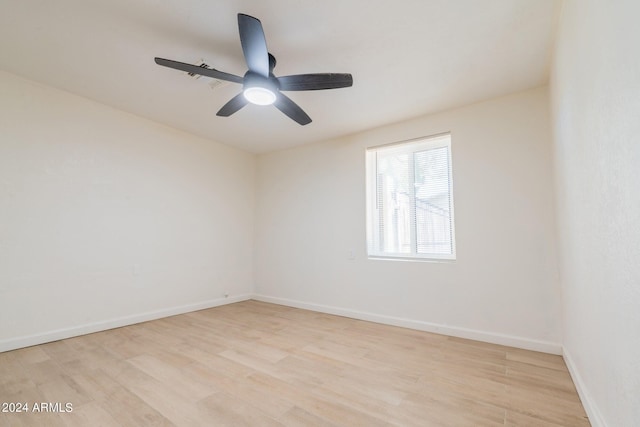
(595, 418)
(59, 334)
(490, 337)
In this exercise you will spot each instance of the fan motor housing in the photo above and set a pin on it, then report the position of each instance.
(252, 79)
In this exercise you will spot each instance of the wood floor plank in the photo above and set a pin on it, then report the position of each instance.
(91, 414)
(254, 363)
(130, 410)
(31, 355)
(232, 411)
(172, 376)
(299, 417)
(172, 405)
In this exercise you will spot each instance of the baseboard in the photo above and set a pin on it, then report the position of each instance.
(59, 334)
(508, 340)
(590, 407)
(490, 337)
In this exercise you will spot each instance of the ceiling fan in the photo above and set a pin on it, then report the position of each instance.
(260, 85)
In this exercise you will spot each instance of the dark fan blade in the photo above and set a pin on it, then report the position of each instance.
(236, 103)
(194, 69)
(254, 45)
(315, 81)
(292, 109)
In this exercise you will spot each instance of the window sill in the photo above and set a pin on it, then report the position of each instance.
(410, 259)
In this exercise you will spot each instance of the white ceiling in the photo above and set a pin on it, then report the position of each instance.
(407, 57)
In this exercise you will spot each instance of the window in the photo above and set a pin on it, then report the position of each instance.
(410, 200)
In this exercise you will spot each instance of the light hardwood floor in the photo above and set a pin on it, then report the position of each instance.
(258, 364)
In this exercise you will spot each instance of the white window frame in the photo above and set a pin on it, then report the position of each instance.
(373, 237)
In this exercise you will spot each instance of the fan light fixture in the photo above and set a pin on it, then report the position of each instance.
(259, 95)
(260, 85)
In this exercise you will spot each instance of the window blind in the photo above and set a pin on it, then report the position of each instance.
(409, 193)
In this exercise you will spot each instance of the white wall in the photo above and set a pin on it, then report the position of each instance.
(596, 103)
(503, 286)
(107, 218)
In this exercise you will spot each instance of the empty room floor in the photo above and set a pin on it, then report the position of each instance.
(259, 364)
